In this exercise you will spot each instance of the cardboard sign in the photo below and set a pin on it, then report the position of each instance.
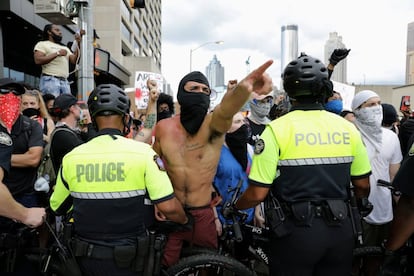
(141, 89)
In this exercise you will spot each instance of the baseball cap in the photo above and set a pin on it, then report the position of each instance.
(63, 101)
(261, 97)
(10, 83)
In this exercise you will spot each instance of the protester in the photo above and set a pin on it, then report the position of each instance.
(54, 57)
(305, 161)
(402, 227)
(165, 106)
(233, 166)
(384, 152)
(144, 134)
(190, 144)
(10, 208)
(107, 231)
(68, 112)
(390, 117)
(257, 118)
(34, 107)
(27, 139)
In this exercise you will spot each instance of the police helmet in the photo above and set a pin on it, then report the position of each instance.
(108, 99)
(306, 77)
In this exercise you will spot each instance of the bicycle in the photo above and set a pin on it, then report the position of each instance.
(245, 243)
(21, 244)
(363, 251)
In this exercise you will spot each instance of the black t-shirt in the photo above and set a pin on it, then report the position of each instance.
(403, 180)
(63, 142)
(26, 133)
(254, 130)
(6, 149)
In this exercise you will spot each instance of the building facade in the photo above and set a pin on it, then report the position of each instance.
(289, 45)
(132, 37)
(409, 68)
(215, 73)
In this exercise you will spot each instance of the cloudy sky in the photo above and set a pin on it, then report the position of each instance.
(374, 30)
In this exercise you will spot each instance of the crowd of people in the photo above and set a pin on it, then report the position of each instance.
(116, 173)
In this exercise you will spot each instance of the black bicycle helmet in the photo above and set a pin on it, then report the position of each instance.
(306, 77)
(107, 99)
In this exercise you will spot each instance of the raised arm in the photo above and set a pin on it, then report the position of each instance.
(145, 134)
(234, 99)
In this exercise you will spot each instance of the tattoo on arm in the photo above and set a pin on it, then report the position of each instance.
(150, 121)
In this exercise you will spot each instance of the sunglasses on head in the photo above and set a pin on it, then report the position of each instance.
(9, 90)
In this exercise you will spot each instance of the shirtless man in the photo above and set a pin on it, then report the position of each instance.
(190, 145)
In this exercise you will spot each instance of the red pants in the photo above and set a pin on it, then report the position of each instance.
(204, 234)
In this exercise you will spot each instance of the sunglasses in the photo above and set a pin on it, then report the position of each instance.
(9, 90)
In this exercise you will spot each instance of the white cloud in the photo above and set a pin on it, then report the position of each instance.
(375, 30)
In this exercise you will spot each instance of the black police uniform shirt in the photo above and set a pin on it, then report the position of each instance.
(26, 133)
(6, 148)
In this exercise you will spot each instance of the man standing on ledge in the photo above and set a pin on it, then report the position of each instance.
(54, 58)
(190, 144)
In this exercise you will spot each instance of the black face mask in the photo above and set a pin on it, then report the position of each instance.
(193, 106)
(163, 115)
(56, 38)
(237, 143)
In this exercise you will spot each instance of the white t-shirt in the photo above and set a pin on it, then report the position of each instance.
(381, 197)
(59, 66)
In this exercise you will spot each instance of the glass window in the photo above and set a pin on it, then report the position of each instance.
(125, 11)
(125, 32)
(137, 48)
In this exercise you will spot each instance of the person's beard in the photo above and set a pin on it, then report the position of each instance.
(56, 38)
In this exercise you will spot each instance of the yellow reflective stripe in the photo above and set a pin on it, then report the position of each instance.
(108, 195)
(316, 161)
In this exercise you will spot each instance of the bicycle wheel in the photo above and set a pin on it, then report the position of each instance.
(210, 264)
(365, 251)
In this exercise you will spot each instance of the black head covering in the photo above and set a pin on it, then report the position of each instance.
(193, 105)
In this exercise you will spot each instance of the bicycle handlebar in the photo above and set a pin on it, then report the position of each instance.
(386, 184)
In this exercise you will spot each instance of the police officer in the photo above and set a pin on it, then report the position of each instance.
(402, 227)
(304, 162)
(106, 181)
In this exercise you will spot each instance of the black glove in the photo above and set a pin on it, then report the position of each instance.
(364, 206)
(228, 210)
(338, 55)
(391, 265)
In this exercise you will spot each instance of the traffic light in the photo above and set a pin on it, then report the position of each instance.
(140, 4)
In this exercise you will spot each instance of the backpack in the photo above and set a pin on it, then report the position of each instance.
(46, 175)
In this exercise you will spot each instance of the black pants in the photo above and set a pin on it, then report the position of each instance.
(319, 250)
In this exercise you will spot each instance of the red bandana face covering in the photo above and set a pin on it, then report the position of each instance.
(9, 109)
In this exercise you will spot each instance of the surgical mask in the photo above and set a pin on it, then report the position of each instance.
(334, 106)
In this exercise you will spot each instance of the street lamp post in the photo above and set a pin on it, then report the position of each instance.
(202, 45)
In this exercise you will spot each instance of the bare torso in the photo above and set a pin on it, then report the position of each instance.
(191, 161)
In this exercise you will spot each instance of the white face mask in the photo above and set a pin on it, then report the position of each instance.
(368, 121)
(369, 115)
